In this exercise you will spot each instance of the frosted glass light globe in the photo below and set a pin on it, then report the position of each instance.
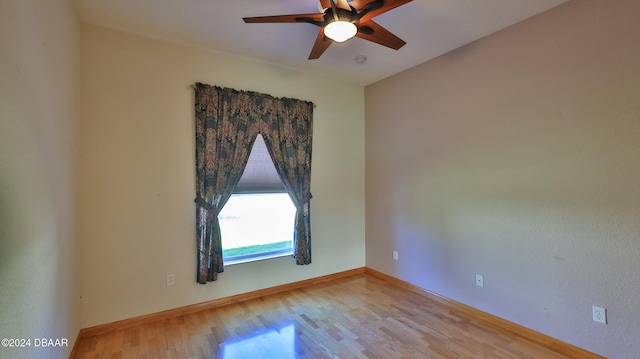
(340, 31)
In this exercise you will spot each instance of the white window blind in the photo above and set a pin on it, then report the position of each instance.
(260, 175)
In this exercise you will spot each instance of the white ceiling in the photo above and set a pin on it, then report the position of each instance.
(430, 28)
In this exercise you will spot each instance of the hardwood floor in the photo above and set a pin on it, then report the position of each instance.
(360, 316)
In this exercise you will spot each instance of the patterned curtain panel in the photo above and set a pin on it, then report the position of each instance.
(223, 144)
(227, 123)
(288, 139)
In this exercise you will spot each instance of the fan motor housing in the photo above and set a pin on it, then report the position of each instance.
(342, 14)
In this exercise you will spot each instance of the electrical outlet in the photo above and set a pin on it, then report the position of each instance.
(479, 280)
(599, 314)
(171, 279)
(395, 255)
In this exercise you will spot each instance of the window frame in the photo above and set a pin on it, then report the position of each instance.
(259, 177)
(246, 258)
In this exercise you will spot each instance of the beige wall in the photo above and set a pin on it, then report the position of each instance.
(137, 175)
(518, 157)
(39, 58)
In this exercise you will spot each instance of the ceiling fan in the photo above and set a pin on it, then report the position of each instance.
(342, 20)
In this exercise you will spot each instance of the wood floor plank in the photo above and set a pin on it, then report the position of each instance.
(359, 316)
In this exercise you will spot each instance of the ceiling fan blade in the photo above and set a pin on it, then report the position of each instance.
(343, 4)
(388, 5)
(309, 18)
(321, 44)
(360, 4)
(371, 31)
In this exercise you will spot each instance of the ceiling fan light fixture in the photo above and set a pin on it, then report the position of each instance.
(340, 31)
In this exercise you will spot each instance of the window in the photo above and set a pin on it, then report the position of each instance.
(257, 226)
(228, 118)
(258, 220)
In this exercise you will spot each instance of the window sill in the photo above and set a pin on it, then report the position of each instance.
(257, 257)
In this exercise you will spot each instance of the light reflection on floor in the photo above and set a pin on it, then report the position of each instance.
(273, 343)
